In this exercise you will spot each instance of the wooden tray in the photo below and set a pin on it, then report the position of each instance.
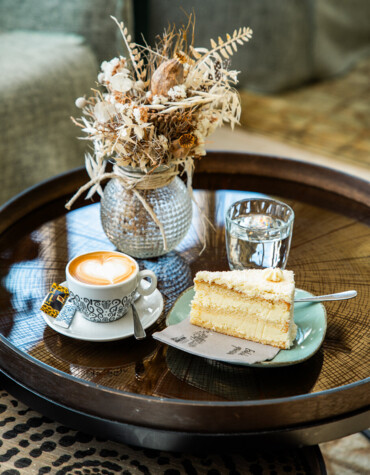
(147, 394)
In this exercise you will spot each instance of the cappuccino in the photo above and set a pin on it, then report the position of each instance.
(102, 268)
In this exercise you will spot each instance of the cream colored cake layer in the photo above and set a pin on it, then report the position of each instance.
(253, 283)
(216, 296)
(248, 328)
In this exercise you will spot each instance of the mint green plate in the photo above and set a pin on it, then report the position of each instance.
(309, 317)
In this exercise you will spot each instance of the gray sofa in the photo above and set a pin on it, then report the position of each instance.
(49, 55)
(294, 41)
(50, 51)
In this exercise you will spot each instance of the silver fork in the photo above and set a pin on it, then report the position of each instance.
(349, 294)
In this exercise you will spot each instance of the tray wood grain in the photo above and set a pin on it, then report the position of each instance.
(146, 383)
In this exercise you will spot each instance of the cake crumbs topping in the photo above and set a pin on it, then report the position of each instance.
(273, 274)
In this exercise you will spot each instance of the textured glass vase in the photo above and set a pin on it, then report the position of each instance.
(131, 228)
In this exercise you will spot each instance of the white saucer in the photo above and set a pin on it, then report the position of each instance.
(149, 309)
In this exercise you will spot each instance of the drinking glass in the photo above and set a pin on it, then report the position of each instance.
(258, 233)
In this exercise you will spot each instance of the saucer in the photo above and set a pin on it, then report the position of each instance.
(148, 307)
(309, 317)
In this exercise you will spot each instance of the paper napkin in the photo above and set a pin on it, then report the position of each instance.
(216, 346)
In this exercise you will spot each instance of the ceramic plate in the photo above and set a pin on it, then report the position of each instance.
(309, 317)
(149, 309)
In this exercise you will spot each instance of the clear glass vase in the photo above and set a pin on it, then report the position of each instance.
(131, 228)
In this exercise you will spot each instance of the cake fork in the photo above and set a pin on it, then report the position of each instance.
(349, 294)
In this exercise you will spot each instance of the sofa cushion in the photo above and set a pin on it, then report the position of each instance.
(88, 18)
(294, 41)
(41, 76)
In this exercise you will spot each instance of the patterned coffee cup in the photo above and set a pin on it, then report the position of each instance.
(108, 302)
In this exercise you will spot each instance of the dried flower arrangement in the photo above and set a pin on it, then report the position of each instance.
(158, 107)
(162, 103)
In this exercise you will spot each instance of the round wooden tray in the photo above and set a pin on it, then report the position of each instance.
(155, 396)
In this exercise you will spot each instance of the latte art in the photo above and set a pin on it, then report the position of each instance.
(102, 268)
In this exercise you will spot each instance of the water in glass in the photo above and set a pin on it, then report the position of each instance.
(258, 241)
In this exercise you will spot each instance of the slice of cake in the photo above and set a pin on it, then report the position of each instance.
(253, 304)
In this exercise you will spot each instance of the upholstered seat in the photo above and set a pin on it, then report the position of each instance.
(41, 75)
(49, 55)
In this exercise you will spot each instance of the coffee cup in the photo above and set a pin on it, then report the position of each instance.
(102, 284)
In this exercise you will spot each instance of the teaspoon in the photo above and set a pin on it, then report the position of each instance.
(349, 294)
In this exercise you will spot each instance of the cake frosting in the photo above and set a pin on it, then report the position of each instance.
(254, 304)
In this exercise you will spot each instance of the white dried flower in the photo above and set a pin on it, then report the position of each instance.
(121, 108)
(200, 148)
(214, 123)
(139, 85)
(112, 67)
(203, 125)
(163, 142)
(104, 111)
(137, 115)
(177, 93)
(121, 83)
(159, 100)
(122, 133)
(81, 102)
(199, 136)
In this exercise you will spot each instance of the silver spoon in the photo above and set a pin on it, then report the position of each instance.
(139, 332)
(349, 294)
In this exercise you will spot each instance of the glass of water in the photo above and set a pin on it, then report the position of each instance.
(258, 233)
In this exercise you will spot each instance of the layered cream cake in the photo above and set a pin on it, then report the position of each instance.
(253, 304)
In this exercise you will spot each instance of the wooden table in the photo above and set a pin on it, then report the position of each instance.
(147, 394)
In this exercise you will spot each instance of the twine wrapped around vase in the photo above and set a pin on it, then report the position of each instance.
(132, 181)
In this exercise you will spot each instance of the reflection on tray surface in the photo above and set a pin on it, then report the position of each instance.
(34, 252)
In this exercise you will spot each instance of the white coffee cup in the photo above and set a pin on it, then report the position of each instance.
(105, 303)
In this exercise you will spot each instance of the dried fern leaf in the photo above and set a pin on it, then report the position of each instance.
(194, 52)
(248, 32)
(127, 40)
(243, 35)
